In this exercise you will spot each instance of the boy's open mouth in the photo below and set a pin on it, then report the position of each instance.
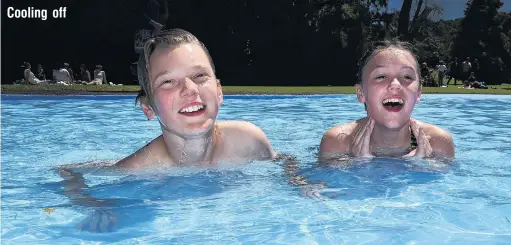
(192, 110)
(393, 104)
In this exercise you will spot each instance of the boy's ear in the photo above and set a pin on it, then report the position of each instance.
(148, 110)
(360, 94)
(219, 92)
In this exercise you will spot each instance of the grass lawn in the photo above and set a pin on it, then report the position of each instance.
(132, 89)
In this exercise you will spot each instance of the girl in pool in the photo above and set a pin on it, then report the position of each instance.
(180, 90)
(388, 85)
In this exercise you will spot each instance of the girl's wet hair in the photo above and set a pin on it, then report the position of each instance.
(170, 38)
(378, 46)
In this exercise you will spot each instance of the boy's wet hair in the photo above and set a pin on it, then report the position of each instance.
(170, 38)
(378, 46)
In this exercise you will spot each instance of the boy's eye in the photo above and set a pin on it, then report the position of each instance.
(168, 82)
(201, 77)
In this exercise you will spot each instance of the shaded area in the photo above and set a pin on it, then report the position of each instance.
(253, 42)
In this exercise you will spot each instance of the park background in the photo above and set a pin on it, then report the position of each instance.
(262, 42)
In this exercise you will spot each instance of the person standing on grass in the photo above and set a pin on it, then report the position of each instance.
(454, 71)
(466, 67)
(442, 69)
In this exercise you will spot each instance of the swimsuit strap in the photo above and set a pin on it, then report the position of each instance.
(413, 143)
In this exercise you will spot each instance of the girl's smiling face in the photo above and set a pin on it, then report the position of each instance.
(390, 87)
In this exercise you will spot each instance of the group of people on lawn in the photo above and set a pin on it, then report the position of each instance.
(64, 75)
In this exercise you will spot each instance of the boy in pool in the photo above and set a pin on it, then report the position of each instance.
(180, 90)
(389, 87)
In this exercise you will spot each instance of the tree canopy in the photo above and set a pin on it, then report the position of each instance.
(260, 42)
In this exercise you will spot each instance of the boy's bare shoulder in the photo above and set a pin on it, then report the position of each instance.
(241, 129)
(243, 136)
(145, 156)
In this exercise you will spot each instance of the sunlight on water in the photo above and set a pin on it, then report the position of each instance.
(384, 201)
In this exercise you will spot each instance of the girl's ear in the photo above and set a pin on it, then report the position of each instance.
(360, 94)
(419, 93)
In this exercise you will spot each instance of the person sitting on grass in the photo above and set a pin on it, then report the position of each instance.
(427, 79)
(83, 74)
(471, 79)
(472, 83)
(62, 75)
(29, 76)
(40, 73)
(389, 87)
(69, 70)
(99, 76)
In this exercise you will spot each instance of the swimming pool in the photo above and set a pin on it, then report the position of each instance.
(384, 202)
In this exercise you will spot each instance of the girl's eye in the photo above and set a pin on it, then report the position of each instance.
(168, 81)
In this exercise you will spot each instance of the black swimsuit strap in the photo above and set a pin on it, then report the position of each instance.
(413, 143)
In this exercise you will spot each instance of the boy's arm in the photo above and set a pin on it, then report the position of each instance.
(103, 218)
(74, 184)
(291, 169)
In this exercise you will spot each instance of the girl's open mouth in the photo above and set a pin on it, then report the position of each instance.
(393, 104)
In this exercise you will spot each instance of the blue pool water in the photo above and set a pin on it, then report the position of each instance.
(383, 202)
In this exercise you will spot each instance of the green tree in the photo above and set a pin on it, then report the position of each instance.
(482, 36)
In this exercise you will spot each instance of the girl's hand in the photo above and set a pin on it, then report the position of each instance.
(423, 146)
(360, 145)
